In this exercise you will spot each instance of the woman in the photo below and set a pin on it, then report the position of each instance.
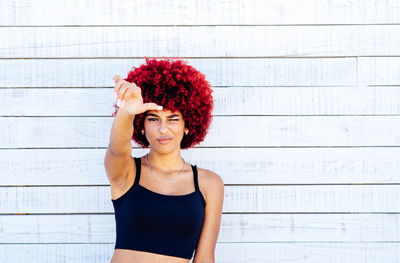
(165, 209)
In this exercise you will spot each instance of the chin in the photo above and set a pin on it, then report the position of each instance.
(164, 148)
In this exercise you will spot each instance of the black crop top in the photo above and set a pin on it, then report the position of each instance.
(158, 223)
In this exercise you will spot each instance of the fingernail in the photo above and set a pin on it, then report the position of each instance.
(123, 103)
(119, 102)
(159, 107)
(115, 95)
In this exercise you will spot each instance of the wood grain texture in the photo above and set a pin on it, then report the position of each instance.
(225, 131)
(267, 166)
(237, 199)
(52, 73)
(379, 71)
(183, 41)
(198, 12)
(330, 252)
(232, 101)
(306, 72)
(235, 228)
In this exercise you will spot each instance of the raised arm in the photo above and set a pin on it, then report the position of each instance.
(118, 154)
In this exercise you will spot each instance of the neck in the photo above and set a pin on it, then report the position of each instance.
(167, 163)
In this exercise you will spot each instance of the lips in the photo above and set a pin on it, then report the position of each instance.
(164, 141)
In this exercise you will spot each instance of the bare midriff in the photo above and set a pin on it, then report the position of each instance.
(135, 256)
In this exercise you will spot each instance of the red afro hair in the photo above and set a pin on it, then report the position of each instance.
(176, 86)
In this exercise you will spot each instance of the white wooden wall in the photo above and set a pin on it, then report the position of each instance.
(306, 132)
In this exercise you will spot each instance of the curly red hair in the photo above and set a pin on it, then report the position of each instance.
(176, 86)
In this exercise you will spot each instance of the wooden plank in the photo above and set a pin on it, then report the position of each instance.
(266, 131)
(218, 41)
(235, 228)
(198, 12)
(375, 165)
(228, 101)
(219, 72)
(307, 253)
(238, 199)
(224, 252)
(379, 71)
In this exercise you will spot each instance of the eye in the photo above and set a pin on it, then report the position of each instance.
(155, 119)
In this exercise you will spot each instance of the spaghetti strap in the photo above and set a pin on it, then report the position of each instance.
(196, 183)
(138, 166)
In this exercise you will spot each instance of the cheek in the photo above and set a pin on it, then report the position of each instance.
(181, 126)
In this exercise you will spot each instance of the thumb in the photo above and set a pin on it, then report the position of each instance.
(152, 106)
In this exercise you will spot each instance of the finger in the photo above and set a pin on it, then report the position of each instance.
(118, 85)
(116, 77)
(124, 88)
(115, 80)
(152, 106)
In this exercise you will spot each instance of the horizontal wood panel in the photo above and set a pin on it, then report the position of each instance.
(225, 131)
(228, 101)
(238, 199)
(198, 12)
(224, 252)
(219, 72)
(235, 165)
(379, 70)
(235, 228)
(217, 41)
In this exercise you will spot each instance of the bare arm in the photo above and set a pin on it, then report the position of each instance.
(118, 155)
(119, 150)
(205, 251)
(121, 133)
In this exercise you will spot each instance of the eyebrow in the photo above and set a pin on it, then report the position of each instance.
(170, 116)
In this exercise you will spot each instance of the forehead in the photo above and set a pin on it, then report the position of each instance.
(163, 113)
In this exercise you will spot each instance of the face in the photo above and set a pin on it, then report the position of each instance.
(164, 124)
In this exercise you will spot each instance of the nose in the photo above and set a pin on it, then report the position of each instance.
(163, 127)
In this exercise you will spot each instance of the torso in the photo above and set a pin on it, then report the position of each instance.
(183, 185)
(134, 256)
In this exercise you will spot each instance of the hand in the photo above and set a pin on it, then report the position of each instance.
(129, 97)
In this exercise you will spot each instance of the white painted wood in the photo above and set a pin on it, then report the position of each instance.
(198, 12)
(307, 252)
(343, 165)
(238, 199)
(330, 252)
(227, 101)
(235, 228)
(379, 71)
(219, 41)
(266, 131)
(219, 72)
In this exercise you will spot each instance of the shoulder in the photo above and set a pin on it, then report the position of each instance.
(209, 177)
(210, 182)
